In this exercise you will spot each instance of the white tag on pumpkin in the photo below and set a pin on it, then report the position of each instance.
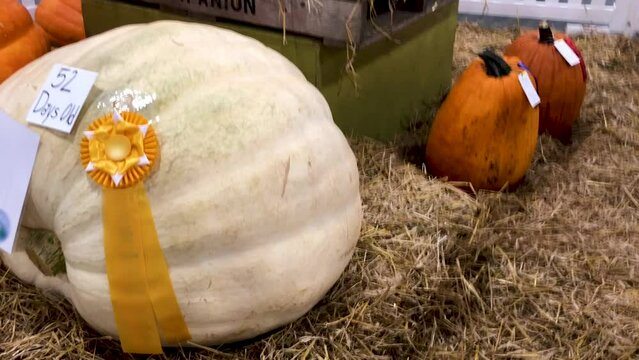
(566, 52)
(529, 89)
(18, 148)
(61, 97)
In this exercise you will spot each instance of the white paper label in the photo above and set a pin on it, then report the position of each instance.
(529, 89)
(61, 97)
(18, 148)
(566, 51)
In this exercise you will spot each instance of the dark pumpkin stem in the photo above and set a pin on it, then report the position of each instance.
(495, 65)
(545, 34)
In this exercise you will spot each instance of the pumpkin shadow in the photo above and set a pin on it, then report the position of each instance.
(411, 141)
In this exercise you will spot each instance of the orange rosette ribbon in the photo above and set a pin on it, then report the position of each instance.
(118, 151)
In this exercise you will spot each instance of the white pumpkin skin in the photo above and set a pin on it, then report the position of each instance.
(255, 197)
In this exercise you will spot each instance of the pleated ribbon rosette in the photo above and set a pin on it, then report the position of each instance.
(118, 151)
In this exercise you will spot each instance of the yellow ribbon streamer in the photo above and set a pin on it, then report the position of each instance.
(141, 289)
(144, 303)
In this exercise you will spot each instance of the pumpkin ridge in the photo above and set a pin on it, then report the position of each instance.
(556, 96)
(333, 219)
(21, 51)
(22, 21)
(60, 8)
(73, 5)
(23, 35)
(16, 36)
(201, 257)
(292, 147)
(62, 22)
(322, 186)
(299, 221)
(201, 87)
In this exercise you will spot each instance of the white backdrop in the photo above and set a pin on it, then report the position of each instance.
(614, 16)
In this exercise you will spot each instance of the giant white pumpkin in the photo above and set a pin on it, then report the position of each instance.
(255, 196)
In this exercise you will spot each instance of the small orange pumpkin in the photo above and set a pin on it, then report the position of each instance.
(485, 132)
(20, 40)
(62, 20)
(562, 87)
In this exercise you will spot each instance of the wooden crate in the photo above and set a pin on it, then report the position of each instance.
(336, 22)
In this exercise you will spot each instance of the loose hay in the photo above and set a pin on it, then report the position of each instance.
(549, 271)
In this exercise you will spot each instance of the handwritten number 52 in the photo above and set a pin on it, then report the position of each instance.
(64, 82)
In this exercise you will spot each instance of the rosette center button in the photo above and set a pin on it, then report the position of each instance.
(117, 147)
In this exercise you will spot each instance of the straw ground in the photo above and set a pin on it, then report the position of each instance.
(550, 271)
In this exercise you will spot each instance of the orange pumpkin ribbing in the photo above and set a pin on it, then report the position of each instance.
(20, 40)
(485, 132)
(562, 87)
(62, 20)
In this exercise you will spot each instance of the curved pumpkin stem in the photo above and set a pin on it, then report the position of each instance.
(495, 65)
(545, 34)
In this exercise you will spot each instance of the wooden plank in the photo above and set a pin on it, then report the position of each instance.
(390, 23)
(324, 19)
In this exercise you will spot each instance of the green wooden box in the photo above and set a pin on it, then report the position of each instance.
(394, 78)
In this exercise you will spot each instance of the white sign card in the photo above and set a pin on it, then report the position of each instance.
(58, 103)
(529, 89)
(566, 52)
(18, 148)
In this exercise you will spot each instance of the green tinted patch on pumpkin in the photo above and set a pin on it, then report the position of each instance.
(45, 250)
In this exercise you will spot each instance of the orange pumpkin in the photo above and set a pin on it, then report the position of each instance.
(562, 87)
(20, 40)
(62, 20)
(485, 132)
